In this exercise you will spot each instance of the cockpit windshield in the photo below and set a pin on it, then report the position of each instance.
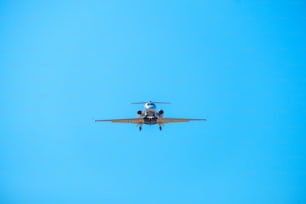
(150, 105)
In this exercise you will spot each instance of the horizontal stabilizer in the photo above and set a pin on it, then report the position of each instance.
(156, 102)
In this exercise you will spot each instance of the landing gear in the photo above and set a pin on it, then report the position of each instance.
(140, 128)
(160, 128)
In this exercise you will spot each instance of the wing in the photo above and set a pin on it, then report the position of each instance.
(126, 120)
(176, 120)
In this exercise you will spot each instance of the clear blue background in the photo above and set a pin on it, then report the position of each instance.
(239, 63)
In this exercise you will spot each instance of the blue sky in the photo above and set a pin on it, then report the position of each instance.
(239, 63)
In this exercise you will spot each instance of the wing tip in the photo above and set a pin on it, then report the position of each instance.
(102, 120)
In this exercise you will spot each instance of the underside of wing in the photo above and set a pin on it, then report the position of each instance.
(176, 120)
(126, 120)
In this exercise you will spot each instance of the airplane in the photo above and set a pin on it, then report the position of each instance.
(150, 116)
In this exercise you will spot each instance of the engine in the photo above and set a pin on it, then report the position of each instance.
(139, 113)
(161, 113)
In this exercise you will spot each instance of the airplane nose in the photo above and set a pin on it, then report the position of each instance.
(149, 106)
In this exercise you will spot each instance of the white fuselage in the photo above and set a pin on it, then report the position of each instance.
(150, 115)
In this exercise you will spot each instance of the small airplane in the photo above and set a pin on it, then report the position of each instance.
(150, 116)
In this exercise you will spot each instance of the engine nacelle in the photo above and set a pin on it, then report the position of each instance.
(160, 113)
(139, 112)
